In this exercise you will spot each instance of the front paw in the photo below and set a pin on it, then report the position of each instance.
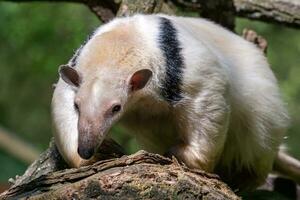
(190, 157)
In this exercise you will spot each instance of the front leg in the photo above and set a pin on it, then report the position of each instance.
(203, 131)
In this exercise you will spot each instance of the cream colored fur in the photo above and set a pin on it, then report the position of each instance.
(231, 119)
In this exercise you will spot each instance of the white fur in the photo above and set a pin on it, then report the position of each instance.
(65, 119)
(231, 119)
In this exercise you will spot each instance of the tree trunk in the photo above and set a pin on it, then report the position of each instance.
(139, 176)
(285, 12)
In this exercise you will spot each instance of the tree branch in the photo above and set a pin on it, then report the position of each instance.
(129, 7)
(51, 161)
(281, 11)
(17, 147)
(105, 10)
(285, 12)
(138, 176)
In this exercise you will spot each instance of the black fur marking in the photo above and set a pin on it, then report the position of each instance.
(171, 49)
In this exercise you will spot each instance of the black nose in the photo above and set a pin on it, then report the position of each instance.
(85, 153)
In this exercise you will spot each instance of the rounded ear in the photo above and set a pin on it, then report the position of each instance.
(69, 75)
(139, 79)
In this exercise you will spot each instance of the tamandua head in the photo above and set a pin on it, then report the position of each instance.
(100, 100)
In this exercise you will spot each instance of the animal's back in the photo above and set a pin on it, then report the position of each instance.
(258, 118)
(252, 87)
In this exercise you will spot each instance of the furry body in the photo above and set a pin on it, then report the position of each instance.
(212, 100)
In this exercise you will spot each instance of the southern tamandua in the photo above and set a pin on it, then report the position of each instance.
(181, 85)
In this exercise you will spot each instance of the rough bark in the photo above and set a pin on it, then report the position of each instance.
(138, 176)
(105, 10)
(285, 12)
(220, 11)
(280, 11)
(51, 161)
(129, 7)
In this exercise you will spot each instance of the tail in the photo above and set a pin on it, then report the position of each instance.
(287, 166)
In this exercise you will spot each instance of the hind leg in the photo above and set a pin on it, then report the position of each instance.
(244, 179)
(245, 169)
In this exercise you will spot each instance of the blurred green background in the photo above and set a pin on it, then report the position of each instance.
(37, 37)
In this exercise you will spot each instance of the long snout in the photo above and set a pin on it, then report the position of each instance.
(88, 139)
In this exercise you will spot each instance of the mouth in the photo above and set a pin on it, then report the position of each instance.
(87, 149)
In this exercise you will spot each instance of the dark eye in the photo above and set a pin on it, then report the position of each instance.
(116, 109)
(76, 106)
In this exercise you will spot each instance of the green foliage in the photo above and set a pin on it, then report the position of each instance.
(35, 39)
(38, 37)
(10, 167)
